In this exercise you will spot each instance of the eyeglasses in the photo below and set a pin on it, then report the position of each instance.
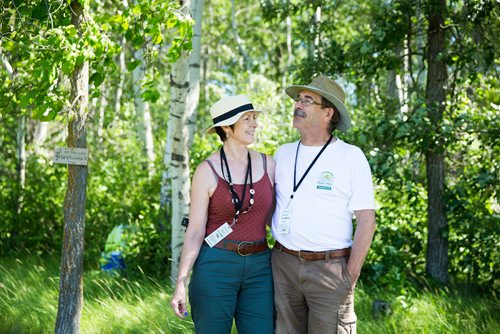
(306, 101)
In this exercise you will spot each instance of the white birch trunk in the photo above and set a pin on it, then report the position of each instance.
(289, 59)
(194, 69)
(144, 126)
(184, 82)
(39, 138)
(20, 138)
(21, 157)
(176, 158)
(239, 42)
(102, 110)
(123, 70)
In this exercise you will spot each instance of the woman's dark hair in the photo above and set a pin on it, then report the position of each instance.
(222, 133)
(336, 115)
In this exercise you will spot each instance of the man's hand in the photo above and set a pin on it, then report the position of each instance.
(353, 273)
(365, 221)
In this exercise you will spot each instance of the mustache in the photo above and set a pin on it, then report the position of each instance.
(299, 113)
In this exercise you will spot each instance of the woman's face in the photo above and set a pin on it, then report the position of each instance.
(244, 129)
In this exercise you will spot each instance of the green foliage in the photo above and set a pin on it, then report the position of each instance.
(149, 24)
(47, 51)
(369, 45)
(373, 44)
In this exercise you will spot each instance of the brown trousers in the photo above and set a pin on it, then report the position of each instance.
(312, 297)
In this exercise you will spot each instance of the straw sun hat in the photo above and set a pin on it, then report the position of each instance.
(228, 110)
(331, 91)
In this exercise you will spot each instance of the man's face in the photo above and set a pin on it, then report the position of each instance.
(308, 113)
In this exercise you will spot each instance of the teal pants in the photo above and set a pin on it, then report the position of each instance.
(226, 286)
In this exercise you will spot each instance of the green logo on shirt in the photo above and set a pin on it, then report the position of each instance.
(325, 181)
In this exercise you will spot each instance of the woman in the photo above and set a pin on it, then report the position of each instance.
(225, 242)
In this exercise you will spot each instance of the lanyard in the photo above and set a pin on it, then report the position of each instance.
(296, 186)
(238, 203)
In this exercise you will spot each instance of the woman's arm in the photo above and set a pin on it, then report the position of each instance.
(203, 183)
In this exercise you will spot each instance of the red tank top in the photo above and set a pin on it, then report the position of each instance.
(251, 226)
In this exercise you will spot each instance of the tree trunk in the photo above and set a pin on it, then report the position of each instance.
(21, 160)
(184, 83)
(176, 159)
(246, 58)
(193, 96)
(123, 70)
(20, 139)
(437, 238)
(289, 59)
(102, 110)
(144, 126)
(39, 138)
(71, 282)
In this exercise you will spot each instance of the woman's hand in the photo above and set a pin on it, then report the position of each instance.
(178, 302)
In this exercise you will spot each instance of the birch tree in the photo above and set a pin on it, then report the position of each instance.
(184, 83)
(20, 137)
(142, 110)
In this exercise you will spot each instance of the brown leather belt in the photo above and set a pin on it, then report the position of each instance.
(314, 256)
(243, 248)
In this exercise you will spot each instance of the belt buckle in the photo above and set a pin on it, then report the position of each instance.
(300, 258)
(240, 244)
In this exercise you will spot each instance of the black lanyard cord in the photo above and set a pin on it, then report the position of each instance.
(296, 186)
(238, 204)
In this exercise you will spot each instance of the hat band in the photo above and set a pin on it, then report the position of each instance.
(233, 112)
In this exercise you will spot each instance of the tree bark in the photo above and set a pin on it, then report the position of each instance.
(437, 238)
(185, 89)
(21, 160)
(123, 70)
(102, 111)
(193, 96)
(143, 113)
(289, 59)
(20, 139)
(247, 61)
(71, 282)
(142, 109)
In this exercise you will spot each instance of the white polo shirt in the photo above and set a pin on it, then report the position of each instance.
(322, 208)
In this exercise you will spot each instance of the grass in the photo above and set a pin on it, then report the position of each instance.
(29, 297)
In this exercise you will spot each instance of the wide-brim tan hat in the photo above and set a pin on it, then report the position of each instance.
(331, 91)
(228, 110)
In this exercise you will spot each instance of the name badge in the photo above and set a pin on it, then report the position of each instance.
(285, 219)
(218, 234)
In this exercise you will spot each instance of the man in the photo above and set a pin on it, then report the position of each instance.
(321, 182)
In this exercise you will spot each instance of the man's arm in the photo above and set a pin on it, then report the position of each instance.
(365, 228)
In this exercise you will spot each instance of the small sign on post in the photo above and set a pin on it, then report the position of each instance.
(71, 156)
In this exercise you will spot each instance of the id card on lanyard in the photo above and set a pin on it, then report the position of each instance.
(223, 231)
(285, 218)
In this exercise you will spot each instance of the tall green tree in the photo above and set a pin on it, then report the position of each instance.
(435, 93)
(71, 282)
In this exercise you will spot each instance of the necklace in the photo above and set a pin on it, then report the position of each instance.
(237, 202)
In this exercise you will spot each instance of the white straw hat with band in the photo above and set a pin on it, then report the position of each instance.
(331, 91)
(228, 110)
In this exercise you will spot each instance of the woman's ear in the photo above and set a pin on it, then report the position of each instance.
(227, 129)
